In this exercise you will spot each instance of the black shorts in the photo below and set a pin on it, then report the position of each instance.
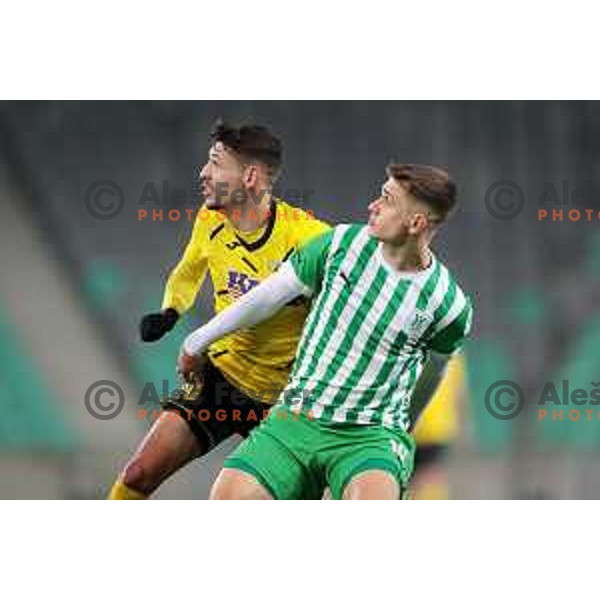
(218, 411)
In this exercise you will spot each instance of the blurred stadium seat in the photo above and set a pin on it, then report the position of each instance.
(30, 417)
(535, 284)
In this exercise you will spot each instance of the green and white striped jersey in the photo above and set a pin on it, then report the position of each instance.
(369, 330)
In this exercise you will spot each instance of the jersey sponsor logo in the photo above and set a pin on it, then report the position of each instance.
(240, 283)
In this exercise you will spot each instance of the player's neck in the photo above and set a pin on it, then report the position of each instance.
(250, 216)
(410, 256)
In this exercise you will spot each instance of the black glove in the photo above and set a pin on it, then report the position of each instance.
(154, 326)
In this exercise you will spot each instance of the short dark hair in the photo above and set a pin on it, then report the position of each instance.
(251, 142)
(431, 185)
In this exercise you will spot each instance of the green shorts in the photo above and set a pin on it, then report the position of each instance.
(296, 457)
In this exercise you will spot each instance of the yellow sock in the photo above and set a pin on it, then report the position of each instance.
(120, 491)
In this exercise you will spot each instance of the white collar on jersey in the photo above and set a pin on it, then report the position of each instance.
(416, 275)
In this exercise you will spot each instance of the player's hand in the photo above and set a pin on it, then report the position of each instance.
(191, 367)
(156, 325)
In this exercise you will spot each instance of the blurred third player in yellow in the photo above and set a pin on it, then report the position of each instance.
(435, 431)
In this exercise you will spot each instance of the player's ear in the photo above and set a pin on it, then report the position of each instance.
(250, 176)
(418, 223)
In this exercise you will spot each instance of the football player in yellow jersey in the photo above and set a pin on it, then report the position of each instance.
(434, 432)
(240, 236)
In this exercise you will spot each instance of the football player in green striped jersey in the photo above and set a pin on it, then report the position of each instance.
(383, 304)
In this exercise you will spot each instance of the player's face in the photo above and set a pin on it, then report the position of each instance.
(220, 177)
(396, 215)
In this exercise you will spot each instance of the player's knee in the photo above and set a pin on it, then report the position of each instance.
(237, 485)
(138, 477)
(372, 485)
(227, 487)
(220, 491)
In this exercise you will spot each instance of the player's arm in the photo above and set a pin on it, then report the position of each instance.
(427, 384)
(447, 341)
(181, 289)
(300, 276)
(256, 306)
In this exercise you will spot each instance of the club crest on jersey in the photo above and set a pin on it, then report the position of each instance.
(417, 327)
(240, 284)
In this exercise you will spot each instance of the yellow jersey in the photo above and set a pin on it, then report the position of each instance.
(438, 424)
(257, 360)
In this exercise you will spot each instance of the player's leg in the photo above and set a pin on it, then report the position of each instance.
(233, 484)
(175, 438)
(373, 485)
(271, 463)
(367, 462)
(168, 446)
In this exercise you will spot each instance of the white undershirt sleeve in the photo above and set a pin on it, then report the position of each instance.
(254, 307)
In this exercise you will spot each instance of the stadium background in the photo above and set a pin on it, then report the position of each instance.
(74, 286)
